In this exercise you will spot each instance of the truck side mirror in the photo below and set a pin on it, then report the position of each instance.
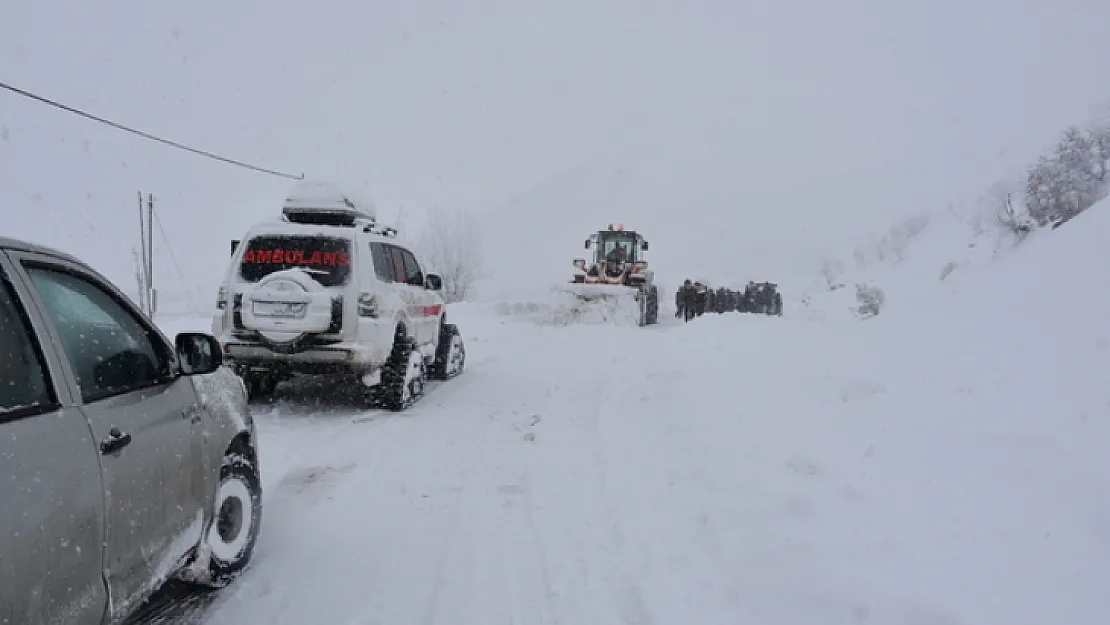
(587, 244)
(198, 353)
(234, 246)
(644, 247)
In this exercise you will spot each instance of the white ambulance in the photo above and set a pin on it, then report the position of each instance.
(325, 289)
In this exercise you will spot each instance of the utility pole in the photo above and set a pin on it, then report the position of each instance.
(140, 260)
(148, 299)
(150, 254)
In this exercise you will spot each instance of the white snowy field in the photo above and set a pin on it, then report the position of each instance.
(939, 465)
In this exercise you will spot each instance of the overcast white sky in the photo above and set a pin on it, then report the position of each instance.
(816, 111)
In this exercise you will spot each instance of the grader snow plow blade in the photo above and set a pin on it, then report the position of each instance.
(614, 302)
(600, 292)
(561, 305)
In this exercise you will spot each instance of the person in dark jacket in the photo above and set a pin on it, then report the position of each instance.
(701, 298)
(730, 300)
(720, 302)
(686, 301)
(747, 301)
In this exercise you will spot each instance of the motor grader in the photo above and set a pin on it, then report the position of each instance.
(617, 271)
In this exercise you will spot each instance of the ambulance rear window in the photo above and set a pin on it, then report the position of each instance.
(326, 259)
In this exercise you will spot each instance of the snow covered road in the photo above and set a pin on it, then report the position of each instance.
(736, 469)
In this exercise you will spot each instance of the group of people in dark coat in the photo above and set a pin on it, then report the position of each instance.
(694, 299)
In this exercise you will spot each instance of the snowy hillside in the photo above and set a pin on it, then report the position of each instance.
(940, 464)
(909, 263)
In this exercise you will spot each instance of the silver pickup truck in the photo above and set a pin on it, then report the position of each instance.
(125, 459)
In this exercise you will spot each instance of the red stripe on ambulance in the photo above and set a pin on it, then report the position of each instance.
(425, 311)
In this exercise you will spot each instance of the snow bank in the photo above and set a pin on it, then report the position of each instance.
(557, 306)
(913, 261)
(971, 435)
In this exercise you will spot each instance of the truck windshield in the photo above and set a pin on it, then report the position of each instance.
(326, 259)
(609, 242)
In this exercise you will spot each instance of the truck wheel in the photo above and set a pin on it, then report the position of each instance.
(643, 304)
(450, 353)
(403, 375)
(236, 519)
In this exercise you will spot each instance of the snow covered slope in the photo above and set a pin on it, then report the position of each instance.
(910, 261)
(942, 465)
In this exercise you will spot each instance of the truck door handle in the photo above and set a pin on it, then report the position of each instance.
(116, 441)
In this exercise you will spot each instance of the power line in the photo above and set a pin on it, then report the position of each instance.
(147, 135)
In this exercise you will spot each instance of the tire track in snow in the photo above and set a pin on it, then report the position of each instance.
(576, 519)
(490, 568)
(451, 516)
(663, 485)
(690, 519)
(402, 523)
(633, 608)
(439, 578)
(739, 514)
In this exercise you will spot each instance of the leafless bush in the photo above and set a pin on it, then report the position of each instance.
(831, 270)
(870, 298)
(1013, 218)
(451, 243)
(892, 246)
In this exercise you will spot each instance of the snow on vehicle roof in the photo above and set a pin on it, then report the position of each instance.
(278, 227)
(328, 196)
(275, 226)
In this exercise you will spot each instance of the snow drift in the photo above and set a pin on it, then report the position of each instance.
(558, 306)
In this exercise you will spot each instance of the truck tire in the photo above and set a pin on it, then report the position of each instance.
(450, 353)
(403, 375)
(236, 520)
(648, 298)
